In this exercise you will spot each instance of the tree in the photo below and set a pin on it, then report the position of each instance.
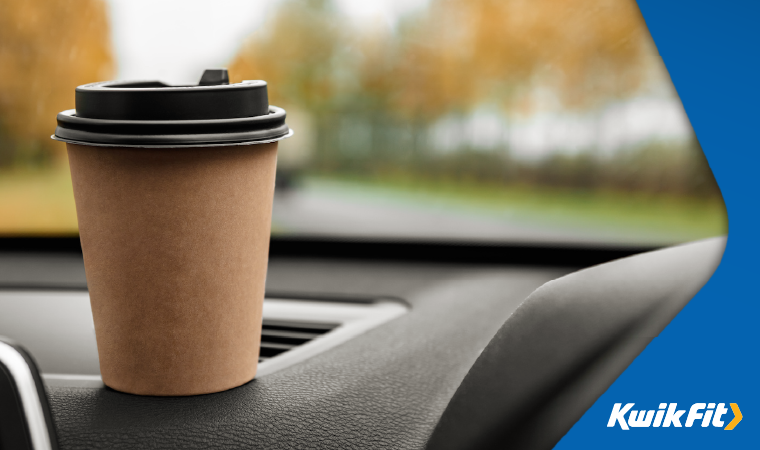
(295, 53)
(464, 52)
(47, 48)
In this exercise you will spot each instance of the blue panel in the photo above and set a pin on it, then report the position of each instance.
(709, 353)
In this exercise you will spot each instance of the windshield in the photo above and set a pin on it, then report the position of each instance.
(468, 120)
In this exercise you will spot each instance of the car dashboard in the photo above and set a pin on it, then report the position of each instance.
(369, 346)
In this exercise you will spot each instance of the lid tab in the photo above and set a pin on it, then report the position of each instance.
(214, 77)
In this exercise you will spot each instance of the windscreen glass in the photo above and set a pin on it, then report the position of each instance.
(467, 120)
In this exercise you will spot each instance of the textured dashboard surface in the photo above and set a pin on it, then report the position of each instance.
(566, 344)
(384, 389)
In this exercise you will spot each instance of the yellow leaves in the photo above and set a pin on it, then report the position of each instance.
(457, 54)
(583, 49)
(293, 53)
(47, 49)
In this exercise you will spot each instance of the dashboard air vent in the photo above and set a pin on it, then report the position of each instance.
(278, 337)
(56, 327)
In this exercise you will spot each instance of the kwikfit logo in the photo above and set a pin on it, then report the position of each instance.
(666, 415)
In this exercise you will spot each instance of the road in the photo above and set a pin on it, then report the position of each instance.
(344, 210)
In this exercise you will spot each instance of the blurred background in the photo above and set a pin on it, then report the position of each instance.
(474, 120)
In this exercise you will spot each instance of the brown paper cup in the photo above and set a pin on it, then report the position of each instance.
(175, 245)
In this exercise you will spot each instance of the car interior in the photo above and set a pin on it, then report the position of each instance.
(434, 281)
(411, 350)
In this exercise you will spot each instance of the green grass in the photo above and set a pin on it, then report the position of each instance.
(41, 201)
(642, 217)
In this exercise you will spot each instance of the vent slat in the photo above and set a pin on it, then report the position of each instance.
(290, 334)
(308, 327)
(277, 346)
(279, 336)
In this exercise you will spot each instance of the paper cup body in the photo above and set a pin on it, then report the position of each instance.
(175, 244)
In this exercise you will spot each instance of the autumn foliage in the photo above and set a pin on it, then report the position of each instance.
(457, 54)
(374, 90)
(47, 48)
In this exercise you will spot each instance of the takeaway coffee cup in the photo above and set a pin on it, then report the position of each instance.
(173, 188)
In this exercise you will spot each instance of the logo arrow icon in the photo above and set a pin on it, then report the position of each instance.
(737, 417)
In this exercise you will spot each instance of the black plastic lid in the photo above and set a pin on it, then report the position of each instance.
(151, 113)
